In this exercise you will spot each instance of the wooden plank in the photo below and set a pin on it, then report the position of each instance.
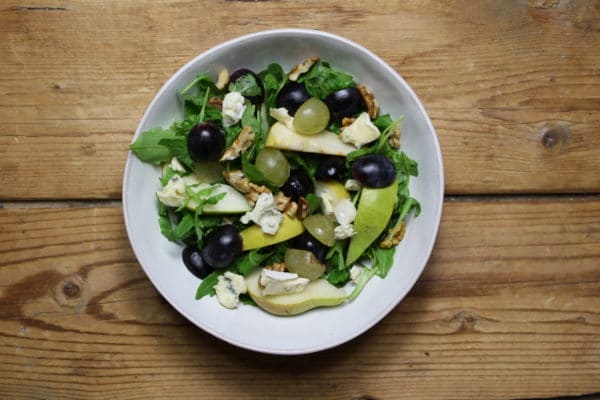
(508, 307)
(77, 77)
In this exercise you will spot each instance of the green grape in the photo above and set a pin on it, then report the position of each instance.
(273, 164)
(312, 117)
(304, 263)
(321, 228)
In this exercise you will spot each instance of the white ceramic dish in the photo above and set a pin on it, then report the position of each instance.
(250, 327)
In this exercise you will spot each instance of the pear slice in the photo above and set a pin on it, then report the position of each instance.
(253, 237)
(334, 189)
(375, 208)
(232, 203)
(282, 137)
(317, 293)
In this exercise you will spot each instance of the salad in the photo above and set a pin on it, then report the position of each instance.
(288, 191)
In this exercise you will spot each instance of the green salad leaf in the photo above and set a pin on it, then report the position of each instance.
(322, 80)
(246, 85)
(148, 146)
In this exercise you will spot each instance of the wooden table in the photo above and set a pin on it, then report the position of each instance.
(508, 306)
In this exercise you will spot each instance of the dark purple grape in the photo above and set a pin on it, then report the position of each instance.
(192, 258)
(374, 171)
(331, 168)
(221, 246)
(306, 241)
(206, 142)
(292, 96)
(250, 92)
(297, 185)
(344, 103)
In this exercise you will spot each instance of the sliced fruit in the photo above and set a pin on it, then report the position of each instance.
(233, 203)
(318, 293)
(375, 207)
(304, 263)
(208, 172)
(334, 189)
(321, 228)
(253, 237)
(282, 137)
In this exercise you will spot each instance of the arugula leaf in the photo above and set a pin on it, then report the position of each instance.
(273, 78)
(207, 286)
(202, 82)
(178, 148)
(304, 161)
(246, 85)
(167, 174)
(148, 146)
(322, 80)
(381, 259)
(365, 277)
(314, 203)
(338, 277)
(335, 256)
(383, 122)
(255, 175)
(248, 262)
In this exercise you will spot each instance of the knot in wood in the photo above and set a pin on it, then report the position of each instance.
(554, 138)
(71, 290)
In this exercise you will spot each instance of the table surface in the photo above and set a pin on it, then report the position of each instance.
(509, 304)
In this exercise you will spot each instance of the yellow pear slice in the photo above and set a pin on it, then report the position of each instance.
(253, 237)
(375, 208)
(317, 293)
(282, 137)
(334, 189)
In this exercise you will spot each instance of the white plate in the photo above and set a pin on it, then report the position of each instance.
(250, 327)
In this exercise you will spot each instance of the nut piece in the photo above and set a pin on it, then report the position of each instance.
(216, 102)
(242, 184)
(394, 139)
(241, 143)
(291, 209)
(302, 68)
(282, 201)
(392, 240)
(369, 99)
(279, 267)
(222, 79)
(346, 121)
(303, 208)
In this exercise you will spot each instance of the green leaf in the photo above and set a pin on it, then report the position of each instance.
(207, 286)
(335, 256)
(255, 175)
(248, 262)
(365, 277)
(338, 277)
(273, 78)
(314, 203)
(246, 85)
(148, 146)
(382, 260)
(177, 146)
(202, 83)
(322, 80)
(383, 122)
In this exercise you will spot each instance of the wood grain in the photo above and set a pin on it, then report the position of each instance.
(76, 77)
(508, 307)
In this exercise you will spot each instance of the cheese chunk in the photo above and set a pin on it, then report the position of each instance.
(173, 194)
(275, 282)
(265, 214)
(233, 108)
(343, 232)
(228, 289)
(360, 132)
